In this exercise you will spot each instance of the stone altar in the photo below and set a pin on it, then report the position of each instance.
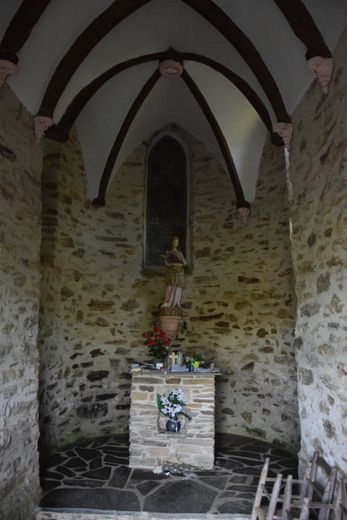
(194, 444)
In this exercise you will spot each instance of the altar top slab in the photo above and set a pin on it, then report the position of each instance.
(160, 373)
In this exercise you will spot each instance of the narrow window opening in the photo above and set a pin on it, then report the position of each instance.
(166, 201)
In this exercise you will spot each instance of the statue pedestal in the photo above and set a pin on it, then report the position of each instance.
(170, 320)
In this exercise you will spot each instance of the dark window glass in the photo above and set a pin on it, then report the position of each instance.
(166, 213)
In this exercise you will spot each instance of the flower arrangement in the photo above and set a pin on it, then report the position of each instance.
(157, 342)
(172, 404)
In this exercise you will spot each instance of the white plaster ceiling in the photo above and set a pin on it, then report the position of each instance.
(153, 28)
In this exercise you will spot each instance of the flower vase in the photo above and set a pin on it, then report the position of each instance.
(173, 425)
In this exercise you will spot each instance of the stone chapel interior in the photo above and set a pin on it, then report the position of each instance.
(124, 123)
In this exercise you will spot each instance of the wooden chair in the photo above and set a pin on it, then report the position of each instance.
(315, 495)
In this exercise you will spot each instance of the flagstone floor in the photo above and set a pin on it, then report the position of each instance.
(94, 475)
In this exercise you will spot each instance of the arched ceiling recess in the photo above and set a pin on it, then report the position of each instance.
(105, 178)
(100, 200)
(219, 135)
(257, 47)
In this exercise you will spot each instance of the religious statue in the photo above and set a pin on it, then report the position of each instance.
(175, 276)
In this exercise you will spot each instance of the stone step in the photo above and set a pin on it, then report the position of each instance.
(77, 514)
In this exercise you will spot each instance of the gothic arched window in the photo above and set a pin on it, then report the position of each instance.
(166, 199)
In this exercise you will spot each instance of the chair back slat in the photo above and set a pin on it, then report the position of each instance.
(328, 494)
(304, 509)
(274, 497)
(260, 490)
(344, 499)
(287, 497)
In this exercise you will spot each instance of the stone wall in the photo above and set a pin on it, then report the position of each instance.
(20, 206)
(96, 301)
(319, 239)
(240, 299)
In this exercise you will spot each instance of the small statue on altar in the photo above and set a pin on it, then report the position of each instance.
(175, 276)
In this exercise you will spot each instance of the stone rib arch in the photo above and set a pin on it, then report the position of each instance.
(28, 15)
(112, 16)
(86, 41)
(230, 30)
(304, 27)
(61, 130)
(21, 25)
(239, 82)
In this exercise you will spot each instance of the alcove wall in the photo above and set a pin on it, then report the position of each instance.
(96, 302)
(20, 235)
(319, 243)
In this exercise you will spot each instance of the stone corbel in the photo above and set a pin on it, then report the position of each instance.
(41, 124)
(244, 210)
(7, 68)
(284, 130)
(171, 68)
(322, 69)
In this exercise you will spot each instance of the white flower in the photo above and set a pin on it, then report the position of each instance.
(172, 404)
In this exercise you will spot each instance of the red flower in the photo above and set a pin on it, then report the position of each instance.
(157, 342)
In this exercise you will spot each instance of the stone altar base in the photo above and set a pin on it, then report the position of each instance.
(194, 444)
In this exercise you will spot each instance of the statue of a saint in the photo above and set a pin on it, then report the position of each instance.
(175, 277)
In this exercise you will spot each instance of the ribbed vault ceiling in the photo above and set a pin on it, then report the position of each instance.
(93, 64)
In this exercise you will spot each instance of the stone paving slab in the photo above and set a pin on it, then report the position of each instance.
(86, 477)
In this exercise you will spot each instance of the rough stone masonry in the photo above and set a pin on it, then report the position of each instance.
(97, 301)
(20, 236)
(194, 444)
